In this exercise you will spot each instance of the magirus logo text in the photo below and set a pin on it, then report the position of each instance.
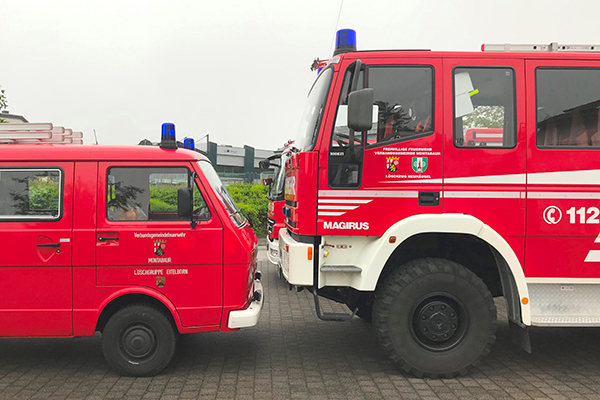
(346, 225)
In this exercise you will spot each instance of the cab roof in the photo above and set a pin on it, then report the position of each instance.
(540, 55)
(62, 152)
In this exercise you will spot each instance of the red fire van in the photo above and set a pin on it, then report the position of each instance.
(141, 243)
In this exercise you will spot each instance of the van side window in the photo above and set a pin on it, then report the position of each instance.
(150, 194)
(484, 107)
(568, 107)
(32, 194)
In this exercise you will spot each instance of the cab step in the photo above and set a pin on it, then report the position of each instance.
(341, 268)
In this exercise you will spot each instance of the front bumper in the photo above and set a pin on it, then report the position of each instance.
(249, 316)
(296, 260)
(273, 251)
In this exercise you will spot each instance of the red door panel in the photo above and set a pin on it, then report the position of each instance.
(168, 256)
(36, 259)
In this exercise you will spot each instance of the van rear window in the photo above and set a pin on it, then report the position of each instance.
(31, 194)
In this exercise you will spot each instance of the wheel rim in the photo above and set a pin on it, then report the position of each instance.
(138, 343)
(439, 321)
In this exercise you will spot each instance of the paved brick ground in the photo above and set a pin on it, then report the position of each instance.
(292, 354)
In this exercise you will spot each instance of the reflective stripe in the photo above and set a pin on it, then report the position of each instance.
(563, 195)
(512, 179)
(336, 207)
(344, 201)
(593, 256)
(368, 193)
(330, 214)
(482, 195)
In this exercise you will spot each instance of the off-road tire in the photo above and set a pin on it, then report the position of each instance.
(435, 318)
(139, 340)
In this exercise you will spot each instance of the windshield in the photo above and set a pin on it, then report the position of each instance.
(276, 191)
(222, 193)
(313, 111)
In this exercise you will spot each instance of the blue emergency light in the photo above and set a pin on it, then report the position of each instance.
(167, 136)
(345, 41)
(188, 143)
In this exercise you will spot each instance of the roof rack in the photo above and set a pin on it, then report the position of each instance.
(44, 133)
(552, 47)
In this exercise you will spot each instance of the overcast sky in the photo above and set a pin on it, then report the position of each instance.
(237, 70)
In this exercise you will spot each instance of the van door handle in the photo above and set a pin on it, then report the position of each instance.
(429, 199)
(105, 238)
(49, 245)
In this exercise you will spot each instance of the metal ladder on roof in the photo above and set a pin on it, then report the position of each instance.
(32, 133)
(552, 47)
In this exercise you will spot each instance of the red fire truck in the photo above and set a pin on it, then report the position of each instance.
(140, 243)
(405, 221)
(275, 219)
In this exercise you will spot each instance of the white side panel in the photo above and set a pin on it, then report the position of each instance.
(565, 304)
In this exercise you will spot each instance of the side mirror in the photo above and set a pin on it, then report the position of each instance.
(184, 203)
(268, 181)
(264, 164)
(360, 110)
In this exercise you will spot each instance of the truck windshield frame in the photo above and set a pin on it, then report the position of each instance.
(276, 192)
(312, 116)
(223, 194)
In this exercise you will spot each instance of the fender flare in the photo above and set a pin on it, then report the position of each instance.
(145, 292)
(376, 253)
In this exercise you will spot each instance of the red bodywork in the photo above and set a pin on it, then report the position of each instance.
(506, 188)
(62, 291)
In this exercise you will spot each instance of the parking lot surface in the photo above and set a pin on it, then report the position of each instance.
(291, 354)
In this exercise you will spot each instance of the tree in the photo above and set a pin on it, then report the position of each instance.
(485, 117)
(3, 103)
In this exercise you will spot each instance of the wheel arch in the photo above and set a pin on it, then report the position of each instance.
(122, 299)
(380, 255)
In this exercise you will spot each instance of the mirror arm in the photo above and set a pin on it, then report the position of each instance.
(357, 68)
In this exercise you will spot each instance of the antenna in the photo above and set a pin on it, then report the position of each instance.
(95, 136)
(336, 25)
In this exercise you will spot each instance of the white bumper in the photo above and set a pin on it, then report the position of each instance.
(249, 316)
(273, 251)
(296, 266)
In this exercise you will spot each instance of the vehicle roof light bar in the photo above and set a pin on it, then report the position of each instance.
(345, 41)
(552, 47)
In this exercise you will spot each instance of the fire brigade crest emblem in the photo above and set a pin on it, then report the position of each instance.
(159, 247)
(392, 163)
(160, 281)
(419, 164)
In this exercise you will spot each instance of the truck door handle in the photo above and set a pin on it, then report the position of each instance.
(429, 199)
(49, 245)
(105, 238)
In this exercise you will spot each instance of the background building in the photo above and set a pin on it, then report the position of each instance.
(237, 164)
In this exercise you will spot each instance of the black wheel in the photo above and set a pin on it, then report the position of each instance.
(139, 340)
(435, 318)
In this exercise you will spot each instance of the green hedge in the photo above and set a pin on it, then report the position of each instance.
(252, 200)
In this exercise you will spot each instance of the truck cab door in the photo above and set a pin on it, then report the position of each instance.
(484, 144)
(142, 243)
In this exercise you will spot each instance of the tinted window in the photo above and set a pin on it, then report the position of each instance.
(30, 193)
(403, 101)
(568, 102)
(149, 194)
(484, 107)
(402, 106)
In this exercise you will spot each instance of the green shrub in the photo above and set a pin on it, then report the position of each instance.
(252, 200)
